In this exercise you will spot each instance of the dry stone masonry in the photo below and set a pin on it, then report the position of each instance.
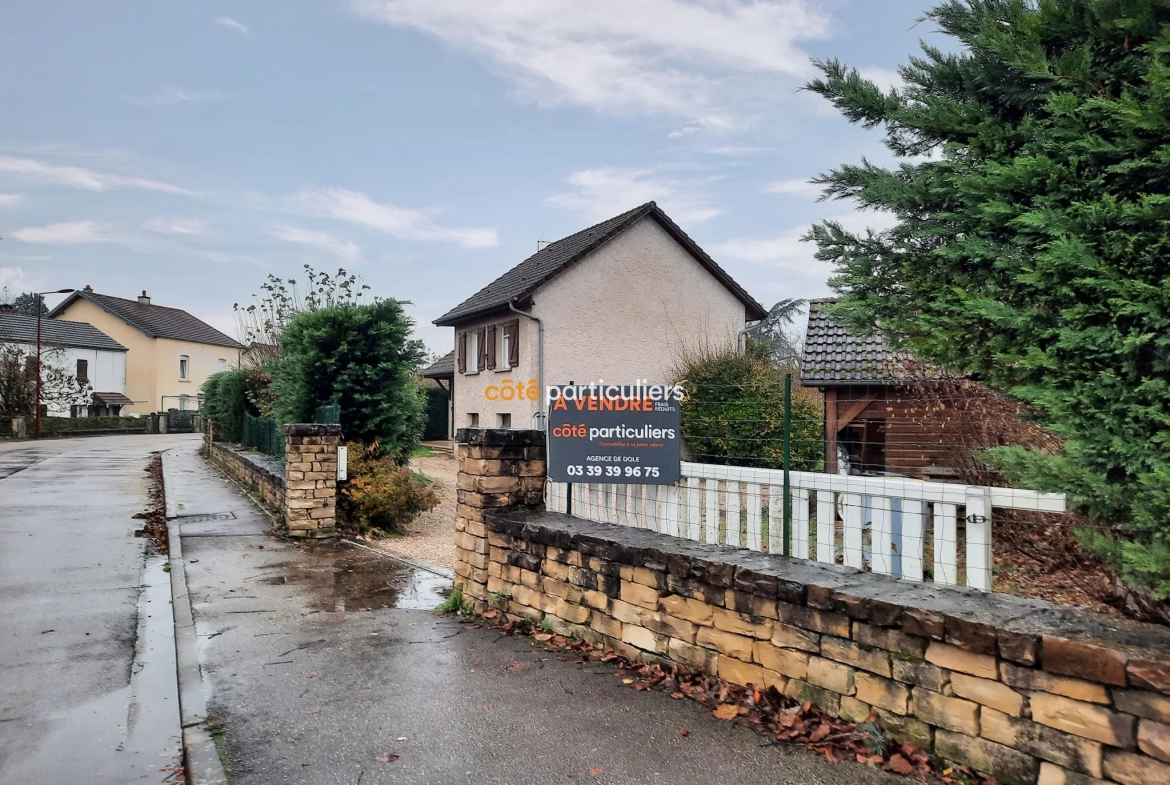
(1030, 692)
(304, 489)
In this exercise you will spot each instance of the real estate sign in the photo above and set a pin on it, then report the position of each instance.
(627, 434)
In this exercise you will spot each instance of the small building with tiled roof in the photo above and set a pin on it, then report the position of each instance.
(617, 302)
(169, 352)
(877, 420)
(94, 361)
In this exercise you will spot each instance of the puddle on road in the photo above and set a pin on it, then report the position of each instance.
(342, 578)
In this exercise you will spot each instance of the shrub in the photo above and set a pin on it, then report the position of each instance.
(381, 495)
(361, 357)
(225, 399)
(438, 412)
(734, 410)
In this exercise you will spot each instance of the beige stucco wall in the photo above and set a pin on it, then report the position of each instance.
(152, 365)
(623, 313)
(472, 390)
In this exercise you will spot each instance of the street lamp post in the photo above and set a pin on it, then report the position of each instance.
(37, 404)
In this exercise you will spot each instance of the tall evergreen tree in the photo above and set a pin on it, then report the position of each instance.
(1032, 248)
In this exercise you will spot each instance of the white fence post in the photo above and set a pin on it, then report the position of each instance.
(979, 538)
(912, 539)
(881, 536)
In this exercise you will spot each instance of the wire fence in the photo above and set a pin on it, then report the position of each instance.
(328, 413)
(263, 435)
(887, 479)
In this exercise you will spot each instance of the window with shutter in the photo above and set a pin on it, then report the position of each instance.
(82, 371)
(461, 352)
(481, 348)
(513, 329)
(490, 348)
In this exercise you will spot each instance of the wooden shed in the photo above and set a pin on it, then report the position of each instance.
(877, 418)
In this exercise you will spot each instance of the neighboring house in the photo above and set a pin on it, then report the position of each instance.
(616, 302)
(170, 352)
(877, 419)
(442, 372)
(81, 351)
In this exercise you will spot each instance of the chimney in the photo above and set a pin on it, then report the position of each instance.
(143, 299)
(7, 308)
(88, 289)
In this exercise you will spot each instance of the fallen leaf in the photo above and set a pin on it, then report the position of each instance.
(677, 695)
(241, 705)
(311, 675)
(627, 681)
(819, 734)
(315, 711)
(515, 666)
(365, 689)
(491, 613)
(401, 738)
(543, 637)
(388, 758)
(684, 733)
(595, 772)
(728, 711)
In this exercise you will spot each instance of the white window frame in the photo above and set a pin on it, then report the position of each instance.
(506, 339)
(221, 365)
(472, 360)
(184, 368)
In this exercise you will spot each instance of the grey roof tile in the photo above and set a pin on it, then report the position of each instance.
(18, 328)
(441, 368)
(157, 321)
(835, 356)
(526, 277)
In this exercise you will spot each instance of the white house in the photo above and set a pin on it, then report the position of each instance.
(79, 349)
(614, 302)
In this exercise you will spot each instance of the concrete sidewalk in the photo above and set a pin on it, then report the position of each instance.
(324, 666)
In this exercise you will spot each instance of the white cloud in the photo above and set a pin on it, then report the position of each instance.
(884, 78)
(683, 58)
(794, 187)
(787, 251)
(346, 250)
(13, 279)
(80, 177)
(608, 191)
(10, 200)
(193, 227)
(401, 222)
(234, 25)
(174, 96)
(73, 233)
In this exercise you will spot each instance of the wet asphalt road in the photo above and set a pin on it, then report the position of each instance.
(321, 661)
(87, 689)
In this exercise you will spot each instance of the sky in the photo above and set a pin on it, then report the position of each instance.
(190, 149)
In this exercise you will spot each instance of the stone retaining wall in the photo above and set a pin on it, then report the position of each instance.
(1027, 691)
(262, 474)
(303, 490)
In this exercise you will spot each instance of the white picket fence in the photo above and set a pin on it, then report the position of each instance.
(883, 520)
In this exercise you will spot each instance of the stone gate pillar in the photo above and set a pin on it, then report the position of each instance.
(310, 479)
(498, 469)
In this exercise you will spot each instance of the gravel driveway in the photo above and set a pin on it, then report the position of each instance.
(430, 536)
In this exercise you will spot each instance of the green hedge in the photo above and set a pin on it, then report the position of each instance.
(437, 414)
(225, 400)
(79, 424)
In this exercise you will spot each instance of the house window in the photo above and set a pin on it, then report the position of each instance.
(473, 419)
(82, 371)
(221, 365)
(183, 403)
(184, 368)
(506, 346)
(473, 352)
(505, 420)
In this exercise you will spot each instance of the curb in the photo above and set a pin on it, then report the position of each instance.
(201, 758)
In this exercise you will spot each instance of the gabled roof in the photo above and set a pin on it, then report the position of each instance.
(835, 356)
(442, 368)
(18, 328)
(156, 321)
(535, 271)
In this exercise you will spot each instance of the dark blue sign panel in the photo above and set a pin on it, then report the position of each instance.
(627, 434)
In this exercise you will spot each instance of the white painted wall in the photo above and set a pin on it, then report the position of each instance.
(623, 313)
(107, 369)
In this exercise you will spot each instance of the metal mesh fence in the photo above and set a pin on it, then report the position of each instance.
(262, 434)
(328, 413)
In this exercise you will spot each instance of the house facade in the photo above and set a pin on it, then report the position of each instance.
(79, 350)
(170, 353)
(617, 302)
